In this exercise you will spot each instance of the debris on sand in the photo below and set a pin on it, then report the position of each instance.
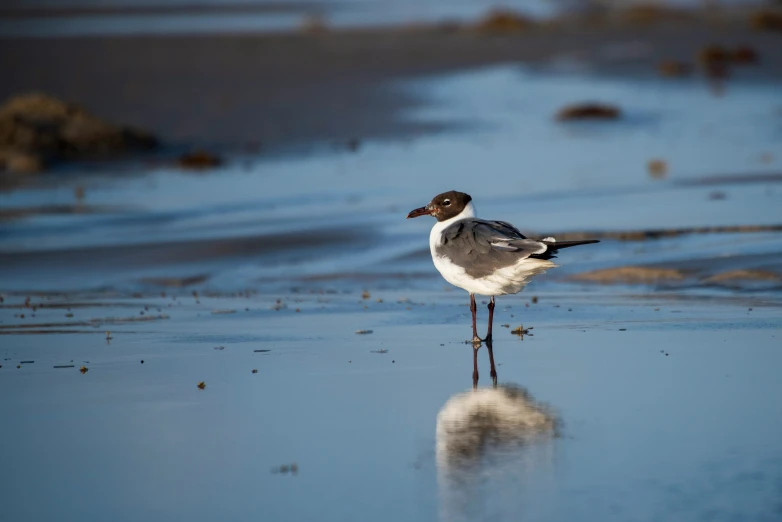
(202, 385)
(314, 24)
(713, 53)
(744, 55)
(673, 69)
(588, 111)
(744, 275)
(658, 169)
(286, 468)
(504, 21)
(766, 20)
(36, 129)
(176, 282)
(199, 160)
(521, 331)
(715, 61)
(647, 13)
(363, 332)
(631, 275)
(20, 162)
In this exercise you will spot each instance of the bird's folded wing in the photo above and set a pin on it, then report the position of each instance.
(484, 237)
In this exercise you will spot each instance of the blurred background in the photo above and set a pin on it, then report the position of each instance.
(161, 141)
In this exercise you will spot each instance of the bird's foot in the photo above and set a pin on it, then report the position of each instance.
(476, 342)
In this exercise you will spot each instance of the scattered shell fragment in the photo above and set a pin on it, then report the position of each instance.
(658, 169)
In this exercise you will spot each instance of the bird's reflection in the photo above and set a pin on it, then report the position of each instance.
(493, 445)
(493, 371)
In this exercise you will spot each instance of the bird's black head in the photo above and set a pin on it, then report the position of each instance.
(443, 206)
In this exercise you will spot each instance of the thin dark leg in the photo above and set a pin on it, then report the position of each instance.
(475, 367)
(474, 310)
(493, 370)
(491, 318)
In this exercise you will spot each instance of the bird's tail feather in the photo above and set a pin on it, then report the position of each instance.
(557, 245)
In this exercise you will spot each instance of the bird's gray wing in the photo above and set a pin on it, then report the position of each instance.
(481, 247)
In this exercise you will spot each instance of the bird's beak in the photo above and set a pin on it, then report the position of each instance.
(423, 211)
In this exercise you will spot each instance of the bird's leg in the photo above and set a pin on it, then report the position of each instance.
(474, 310)
(491, 319)
(475, 366)
(493, 370)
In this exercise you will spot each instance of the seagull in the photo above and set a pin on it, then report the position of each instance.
(483, 257)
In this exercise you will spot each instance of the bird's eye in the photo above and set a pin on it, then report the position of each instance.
(447, 202)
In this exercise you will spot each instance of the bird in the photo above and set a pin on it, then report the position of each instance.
(484, 257)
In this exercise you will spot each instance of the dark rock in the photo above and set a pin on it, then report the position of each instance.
(589, 111)
(36, 129)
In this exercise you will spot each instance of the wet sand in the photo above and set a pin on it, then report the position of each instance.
(296, 89)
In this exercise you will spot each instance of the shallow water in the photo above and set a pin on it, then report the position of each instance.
(674, 418)
(328, 212)
(666, 394)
